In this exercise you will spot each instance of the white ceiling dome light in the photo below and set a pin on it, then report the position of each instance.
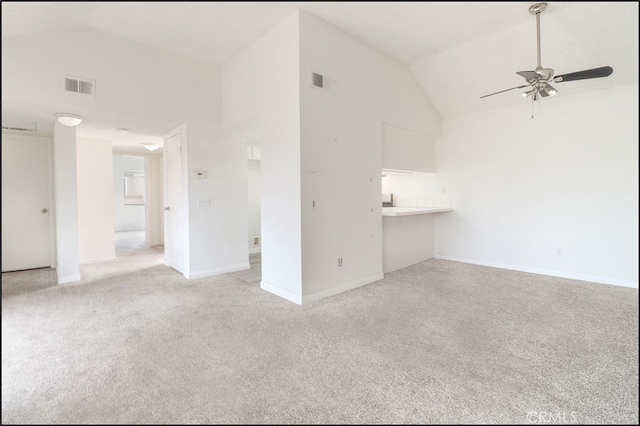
(151, 147)
(69, 120)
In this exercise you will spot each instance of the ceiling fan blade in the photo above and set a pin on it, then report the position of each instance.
(583, 75)
(528, 75)
(505, 90)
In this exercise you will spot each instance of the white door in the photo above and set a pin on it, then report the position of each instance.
(173, 226)
(26, 186)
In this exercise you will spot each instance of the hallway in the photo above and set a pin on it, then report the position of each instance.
(254, 274)
(133, 254)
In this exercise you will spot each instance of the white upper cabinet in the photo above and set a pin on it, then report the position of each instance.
(253, 152)
(404, 149)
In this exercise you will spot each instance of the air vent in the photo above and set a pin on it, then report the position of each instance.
(319, 81)
(78, 85)
(21, 126)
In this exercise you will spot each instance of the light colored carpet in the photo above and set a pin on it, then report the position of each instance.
(438, 342)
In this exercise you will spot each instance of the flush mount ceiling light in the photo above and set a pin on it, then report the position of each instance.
(69, 120)
(150, 147)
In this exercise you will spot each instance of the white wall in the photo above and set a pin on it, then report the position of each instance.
(253, 187)
(262, 85)
(556, 195)
(142, 84)
(322, 147)
(95, 200)
(132, 79)
(407, 240)
(155, 200)
(221, 245)
(341, 140)
(65, 188)
(127, 217)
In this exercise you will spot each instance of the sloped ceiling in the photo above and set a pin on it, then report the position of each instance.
(457, 51)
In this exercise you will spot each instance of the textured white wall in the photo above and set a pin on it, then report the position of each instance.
(218, 232)
(155, 200)
(556, 195)
(322, 147)
(407, 240)
(154, 87)
(262, 85)
(65, 180)
(341, 140)
(132, 79)
(95, 200)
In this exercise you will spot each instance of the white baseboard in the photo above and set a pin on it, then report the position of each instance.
(552, 273)
(217, 271)
(68, 279)
(295, 298)
(255, 250)
(341, 288)
(319, 294)
(97, 259)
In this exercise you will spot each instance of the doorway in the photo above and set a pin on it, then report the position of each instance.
(129, 198)
(254, 188)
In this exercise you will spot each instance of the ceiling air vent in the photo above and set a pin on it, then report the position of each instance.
(319, 81)
(79, 85)
(21, 126)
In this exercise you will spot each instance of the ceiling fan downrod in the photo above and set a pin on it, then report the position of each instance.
(536, 10)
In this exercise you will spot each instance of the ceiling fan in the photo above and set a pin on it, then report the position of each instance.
(538, 81)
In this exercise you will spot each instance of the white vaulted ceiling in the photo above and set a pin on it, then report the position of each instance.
(457, 51)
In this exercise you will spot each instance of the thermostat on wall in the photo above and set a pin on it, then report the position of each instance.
(201, 174)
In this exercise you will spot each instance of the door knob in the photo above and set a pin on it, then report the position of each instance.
(44, 210)
(167, 208)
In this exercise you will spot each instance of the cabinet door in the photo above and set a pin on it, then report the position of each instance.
(407, 150)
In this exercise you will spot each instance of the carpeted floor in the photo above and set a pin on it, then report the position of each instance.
(438, 342)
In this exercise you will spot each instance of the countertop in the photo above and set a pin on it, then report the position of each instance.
(404, 211)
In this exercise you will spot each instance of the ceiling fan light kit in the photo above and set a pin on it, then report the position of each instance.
(538, 81)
